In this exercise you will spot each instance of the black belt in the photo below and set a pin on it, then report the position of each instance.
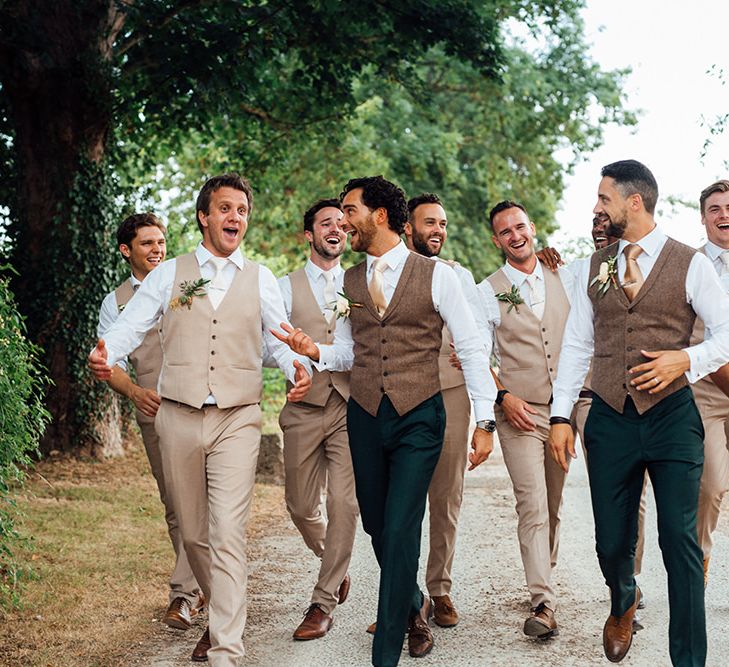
(586, 393)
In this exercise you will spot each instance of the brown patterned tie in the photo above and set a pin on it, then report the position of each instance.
(633, 278)
(376, 286)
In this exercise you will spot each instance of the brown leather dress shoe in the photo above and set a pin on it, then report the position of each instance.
(180, 614)
(344, 589)
(617, 635)
(200, 652)
(541, 623)
(315, 624)
(444, 613)
(420, 638)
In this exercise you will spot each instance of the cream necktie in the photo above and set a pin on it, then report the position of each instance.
(536, 295)
(724, 257)
(330, 294)
(376, 286)
(633, 278)
(217, 286)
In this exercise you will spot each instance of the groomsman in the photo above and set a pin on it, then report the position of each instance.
(635, 311)
(216, 307)
(713, 404)
(426, 233)
(316, 450)
(141, 241)
(529, 308)
(398, 303)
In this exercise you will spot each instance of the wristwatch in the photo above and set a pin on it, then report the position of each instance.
(488, 425)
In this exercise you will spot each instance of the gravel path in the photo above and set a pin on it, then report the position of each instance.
(489, 592)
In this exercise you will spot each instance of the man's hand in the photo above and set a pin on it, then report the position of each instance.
(298, 341)
(665, 367)
(302, 385)
(550, 257)
(721, 378)
(562, 444)
(482, 445)
(97, 361)
(517, 413)
(453, 359)
(146, 400)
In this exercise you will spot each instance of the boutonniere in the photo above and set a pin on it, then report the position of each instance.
(512, 297)
(190, 289)
(343, 305)
(606, 274)
(122, 307)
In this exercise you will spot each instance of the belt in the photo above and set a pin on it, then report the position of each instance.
(586, 393)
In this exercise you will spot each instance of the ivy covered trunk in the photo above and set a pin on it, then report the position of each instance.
(57, 83)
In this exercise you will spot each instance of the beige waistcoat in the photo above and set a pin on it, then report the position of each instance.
(209, 351)
(147, 358)
(397, 354)
(306, 314)
(529, 348)
(658, 319)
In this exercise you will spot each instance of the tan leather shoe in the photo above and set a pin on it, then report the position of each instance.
(344, 589)
(541, 623)
(420, 638)
(315, 624)
(372, 628)
(617, 635)
(200, 652)
(444, 613)
(180, 614)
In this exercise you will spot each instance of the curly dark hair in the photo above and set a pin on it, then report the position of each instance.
(503, 206)
(315, 208)
(231, 180)
(378, 192)
(419, 200)
(127, 230)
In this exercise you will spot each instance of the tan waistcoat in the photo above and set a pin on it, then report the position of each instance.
(658, 319)
(398, 354)
(306, 314)
(209, 351)
(147, 358)
(529, 348)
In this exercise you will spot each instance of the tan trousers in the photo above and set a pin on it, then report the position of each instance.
(714, 409)
(209, 459)
(538, 482)
(182, 581)
(445, 493)
(317, 461)
(579, 417)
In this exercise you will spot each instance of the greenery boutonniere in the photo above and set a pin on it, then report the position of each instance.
(190, 289)
(606, 274)
(343, 305)
(122, 307)
(512, 297)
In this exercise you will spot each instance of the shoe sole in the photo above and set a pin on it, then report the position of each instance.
(421, 655)
(538, 630)
(306, 639)
(177, 623)
(445, 625)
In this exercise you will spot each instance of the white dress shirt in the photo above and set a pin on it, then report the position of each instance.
(714, 253)
(152, 300)
(109, 312)
(317, 282)
(703, 291)
(450, 303)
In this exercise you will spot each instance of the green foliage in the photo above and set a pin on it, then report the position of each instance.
(22, 421)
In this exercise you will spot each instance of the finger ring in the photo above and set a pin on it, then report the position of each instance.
(656, 380)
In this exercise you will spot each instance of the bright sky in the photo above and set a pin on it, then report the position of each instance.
(670, 46)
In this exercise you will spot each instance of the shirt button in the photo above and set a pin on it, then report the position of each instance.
(214, 336)
(215, 321)
(212, 351)
(329, 331)
(549, 356)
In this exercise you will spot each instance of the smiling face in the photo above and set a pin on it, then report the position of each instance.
(359, 221)
(427, 229)
(716, 219)
(600, 238)
(326, 237)
(146, 250)
(226, 222)
(514, 234)
(612, 206)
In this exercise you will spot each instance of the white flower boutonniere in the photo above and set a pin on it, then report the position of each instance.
(607, 273)
(342, 307)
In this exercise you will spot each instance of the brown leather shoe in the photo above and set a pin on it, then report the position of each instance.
(315, 624)
(180, 614)
(372, 628)
(344, 589)
(200, 652)
(541, 623)
(420, 638)
(444, 613)
(617, 635)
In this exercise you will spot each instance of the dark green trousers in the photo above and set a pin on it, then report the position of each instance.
(393, 459)
(668, 442)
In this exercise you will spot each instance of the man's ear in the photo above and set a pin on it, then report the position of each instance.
(309, 236)
(202, 218)
(125, 250)
(408, 229)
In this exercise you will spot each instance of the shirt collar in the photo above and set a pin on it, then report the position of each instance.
(652, 243)
(713, 251)
(315, 272)
(518, 277)
(203, 255)
(136, 282)
(393, 257)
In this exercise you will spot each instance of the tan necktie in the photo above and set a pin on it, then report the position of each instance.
(217, 285)
(330, 294)
(536, 295)
(724, 257)
(633, 278)
(376, 286)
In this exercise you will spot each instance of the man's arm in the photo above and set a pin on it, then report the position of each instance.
(146, 400)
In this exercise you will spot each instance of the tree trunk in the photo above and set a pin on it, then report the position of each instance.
(55, 69)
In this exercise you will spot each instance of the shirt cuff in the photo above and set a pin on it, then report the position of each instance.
(561, 407)
(695, 372)
(483, 410)
(290, 372)
(324, 362)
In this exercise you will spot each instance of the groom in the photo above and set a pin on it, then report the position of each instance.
(391, 338)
